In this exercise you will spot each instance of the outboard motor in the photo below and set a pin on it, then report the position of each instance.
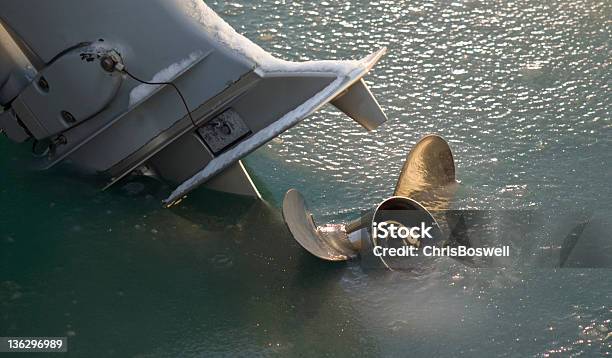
(172, 92)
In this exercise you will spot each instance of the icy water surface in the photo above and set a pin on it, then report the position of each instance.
(520, 89)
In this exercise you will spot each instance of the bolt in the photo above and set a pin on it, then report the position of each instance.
(108, 64)
(43, 84)
(68, 117)
(61, 140)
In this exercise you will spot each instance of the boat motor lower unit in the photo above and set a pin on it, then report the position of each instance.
(163, 87)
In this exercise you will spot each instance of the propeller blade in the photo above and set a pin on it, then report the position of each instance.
(330, 242)
(428, 175)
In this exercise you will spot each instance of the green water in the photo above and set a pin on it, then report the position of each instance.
(520, 89)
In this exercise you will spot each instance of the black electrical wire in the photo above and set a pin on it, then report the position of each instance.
(178, 91)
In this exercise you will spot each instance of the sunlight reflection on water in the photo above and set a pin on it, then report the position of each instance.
(520, 89)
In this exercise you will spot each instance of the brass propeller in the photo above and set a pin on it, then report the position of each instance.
(428, 177)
